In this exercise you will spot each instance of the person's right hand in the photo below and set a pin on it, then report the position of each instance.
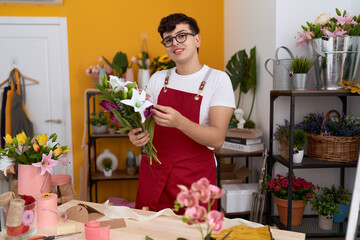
(139, 138)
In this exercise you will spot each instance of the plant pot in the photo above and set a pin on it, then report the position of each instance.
(99, 128)
(143, 78)
(297, 211)
(112, 130)
(325, 222)
(107, 173)
(340, 217)
(298, 157)
(94, 77)
(31, 182)
(300, 81)
(131, 163)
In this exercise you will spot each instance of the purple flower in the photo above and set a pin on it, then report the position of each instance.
(113, 119)
(106, 105)
(149, 111)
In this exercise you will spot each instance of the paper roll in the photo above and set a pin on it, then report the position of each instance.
(5, 199)
(15, 213)
(93, 231)
(46, 210)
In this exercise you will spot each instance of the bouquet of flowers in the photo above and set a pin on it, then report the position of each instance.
(96, 69)
(201, 191)
(143, 60)
(278, 186)
(344, 24)
(42, 151)
(130, 108)
(161, 63)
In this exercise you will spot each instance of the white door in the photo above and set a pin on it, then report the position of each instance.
(37, 46)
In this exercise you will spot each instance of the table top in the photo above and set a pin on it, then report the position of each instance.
(160, 228)
(222, 152)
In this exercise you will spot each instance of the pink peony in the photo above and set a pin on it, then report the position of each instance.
(215, 220)
(196, 213)
(188, 199)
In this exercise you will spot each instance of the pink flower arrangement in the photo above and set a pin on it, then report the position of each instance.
(96, 69)
(278, 186)
(344, 24)
(201, 192)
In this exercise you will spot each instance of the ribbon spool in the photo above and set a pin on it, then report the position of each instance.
(5, 199)
(93, 231)
(46, 210)
(15, 213)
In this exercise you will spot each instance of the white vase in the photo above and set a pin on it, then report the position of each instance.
(107, 173)
(143, 78)
(106, 155)
(112, 130)
(325, 222)
(99, 128)
(298, 157)
(101, 74)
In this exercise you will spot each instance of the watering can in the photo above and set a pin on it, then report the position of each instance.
(280, 74)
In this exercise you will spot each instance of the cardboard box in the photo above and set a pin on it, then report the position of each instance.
(228, 174)
(238, 197)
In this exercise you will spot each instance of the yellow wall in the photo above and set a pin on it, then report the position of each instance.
(101, 28)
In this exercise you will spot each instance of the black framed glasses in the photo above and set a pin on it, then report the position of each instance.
(180, 38)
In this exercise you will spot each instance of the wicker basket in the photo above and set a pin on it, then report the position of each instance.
(284, 148)
(331, 148)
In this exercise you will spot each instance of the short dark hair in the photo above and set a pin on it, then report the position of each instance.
(168, 24)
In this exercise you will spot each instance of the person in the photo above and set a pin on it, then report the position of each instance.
(239, 115)
(193, 107)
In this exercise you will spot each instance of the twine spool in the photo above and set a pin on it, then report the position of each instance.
(46, 210)
(15, 213)
(5, 199)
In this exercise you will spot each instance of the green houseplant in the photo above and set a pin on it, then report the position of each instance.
(98, 122)
(107, 163)
(242, 72)
(119, 63)
(300, 140)
(299, 69)
(342, 199)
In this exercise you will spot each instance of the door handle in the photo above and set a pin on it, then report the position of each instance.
(58, 121)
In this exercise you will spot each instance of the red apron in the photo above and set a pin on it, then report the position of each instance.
(183, 161)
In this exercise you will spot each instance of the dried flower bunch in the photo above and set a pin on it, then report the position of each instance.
(278, 186)
(343, 126)
(344, 24)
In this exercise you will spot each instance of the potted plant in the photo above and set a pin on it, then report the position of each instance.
(342, 199)
(107, 163)
(282, 134)
(299, 69)
(112, 128)
(300, 140)
(324, 205)
(331, 39)
(302, 192)
(96, 72)
(98, 122)
(119, 63)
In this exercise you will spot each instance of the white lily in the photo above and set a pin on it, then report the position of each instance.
(139, 102)
(7, 163)
(118, 84)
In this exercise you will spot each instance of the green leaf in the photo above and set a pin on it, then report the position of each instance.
(304, 28)
(149, 125)
(236, 68)
(148, 238)
(338, 12)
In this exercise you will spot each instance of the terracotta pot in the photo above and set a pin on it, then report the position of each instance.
(31, 182)
(297, 211)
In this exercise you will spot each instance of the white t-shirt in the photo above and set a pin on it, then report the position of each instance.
(217, 91)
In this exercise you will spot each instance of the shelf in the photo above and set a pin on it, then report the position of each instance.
(310, 226)
(308, 162)
(313, 93)
(116, 175)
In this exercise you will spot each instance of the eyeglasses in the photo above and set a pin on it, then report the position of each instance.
(180, 38)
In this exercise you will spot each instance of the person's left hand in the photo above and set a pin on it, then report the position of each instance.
(166, 116)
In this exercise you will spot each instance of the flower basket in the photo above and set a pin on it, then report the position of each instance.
(284, 148)
(331, 148)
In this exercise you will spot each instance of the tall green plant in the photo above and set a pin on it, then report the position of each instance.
(242, 72)
(119, 63)
(301, 64)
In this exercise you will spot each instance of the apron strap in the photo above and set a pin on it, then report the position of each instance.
(166, 82)
(202, 84)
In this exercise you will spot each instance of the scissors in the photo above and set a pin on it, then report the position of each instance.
(52, 236)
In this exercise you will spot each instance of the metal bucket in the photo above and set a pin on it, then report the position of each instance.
(280, 74)
(337, 60)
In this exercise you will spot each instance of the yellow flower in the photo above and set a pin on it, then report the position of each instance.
(42, 139)
(36, 147)
(21, 138)
(57, 151)
(163, 67)
(140, 55)
(8, 139)
(164, 59)
(67, 150)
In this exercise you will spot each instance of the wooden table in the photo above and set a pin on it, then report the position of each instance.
(161, 228)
